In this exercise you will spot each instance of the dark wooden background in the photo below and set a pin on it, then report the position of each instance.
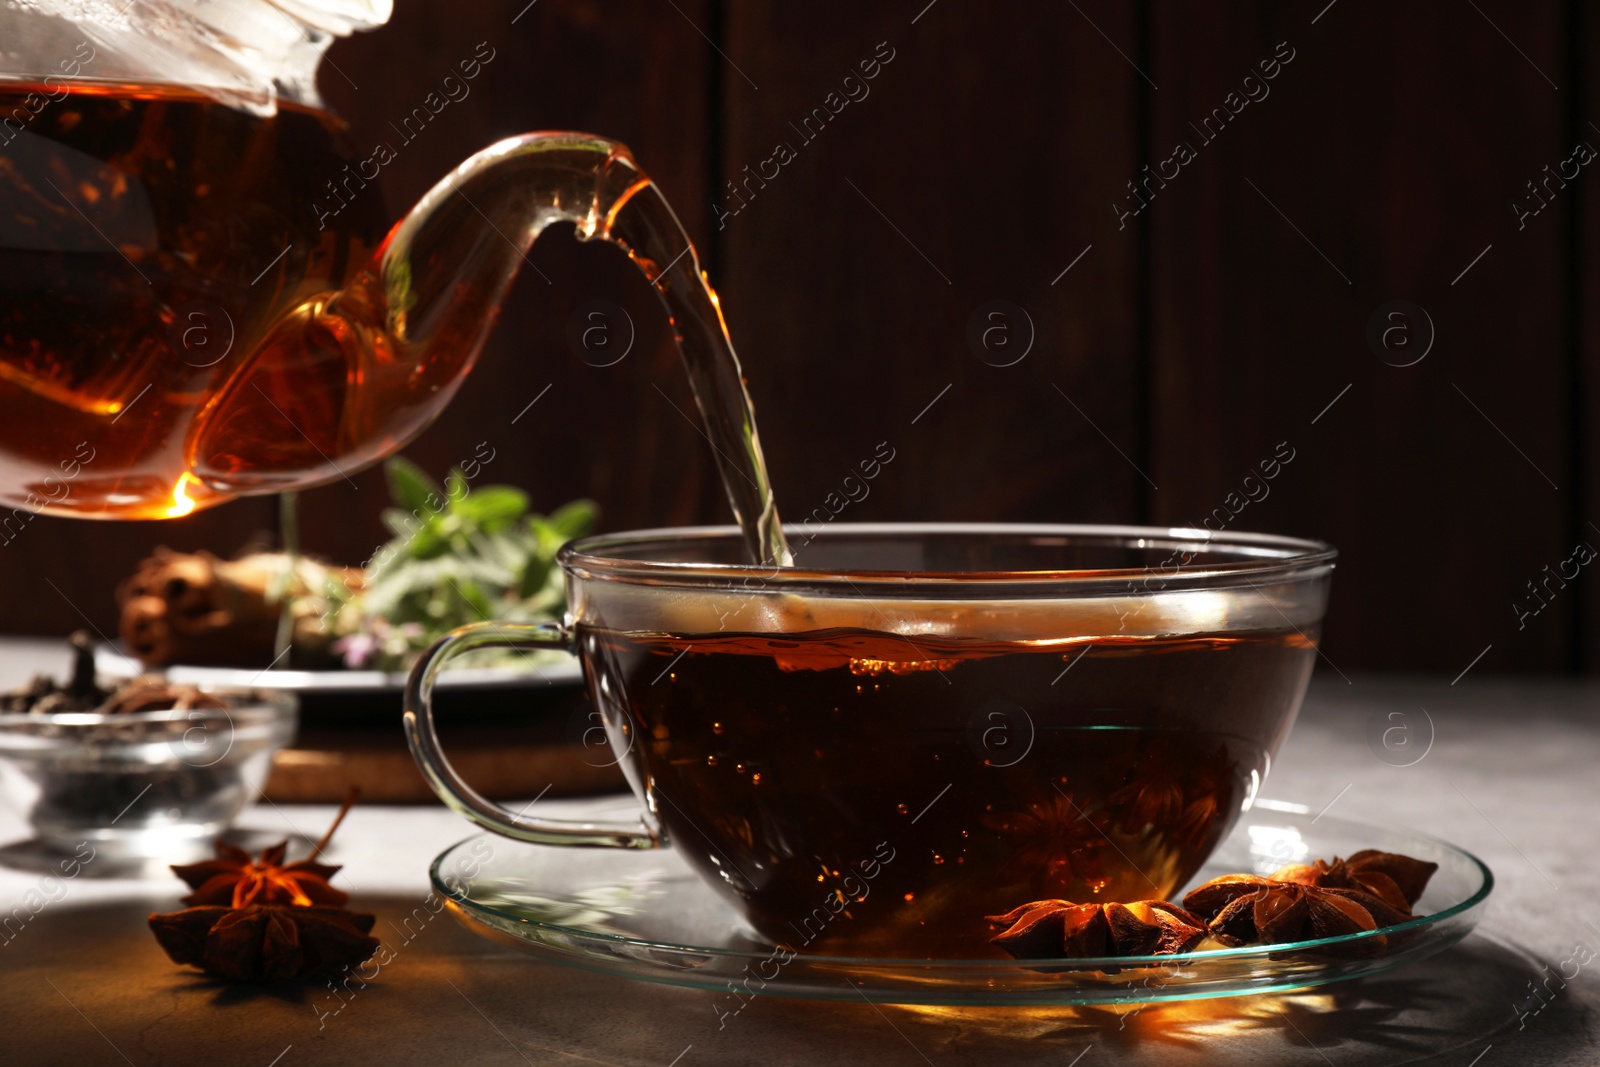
(1176, 353)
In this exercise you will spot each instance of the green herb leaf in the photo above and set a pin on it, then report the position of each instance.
(429, 542)
(401, 523)
(455, 486)
(535, 573)
(410, 487)
(574, 520)
(458, 555)
(494, 507)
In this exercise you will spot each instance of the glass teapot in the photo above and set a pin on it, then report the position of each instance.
(200, 297)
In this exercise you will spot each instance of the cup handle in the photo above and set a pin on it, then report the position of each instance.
(452, 789)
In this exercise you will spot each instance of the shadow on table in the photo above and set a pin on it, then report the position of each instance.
(1444, 1009)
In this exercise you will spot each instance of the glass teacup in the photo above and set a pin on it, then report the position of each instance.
(922, 725)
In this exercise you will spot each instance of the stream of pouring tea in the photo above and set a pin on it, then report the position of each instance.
(644, 224)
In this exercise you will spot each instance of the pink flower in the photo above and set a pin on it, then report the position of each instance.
(356, 649)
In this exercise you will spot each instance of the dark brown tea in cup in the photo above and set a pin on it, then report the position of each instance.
(873, 792)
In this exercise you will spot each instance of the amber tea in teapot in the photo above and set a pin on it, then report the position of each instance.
(150, 237)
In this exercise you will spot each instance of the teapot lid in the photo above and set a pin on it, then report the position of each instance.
(248, 53)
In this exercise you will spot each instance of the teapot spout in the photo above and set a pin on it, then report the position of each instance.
(346, 378)
(445, 267)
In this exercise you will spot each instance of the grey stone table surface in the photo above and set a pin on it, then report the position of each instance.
(1513, 774)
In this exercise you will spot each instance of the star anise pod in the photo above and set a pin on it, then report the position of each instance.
(1304, 902)
(232, 880)
(1198, 819)
(1395, 879)
(1279, 916)
(1054, 839)
(263, 920)
(264, 943)
(1151, 799)
(1049, 929)
(1176, 791)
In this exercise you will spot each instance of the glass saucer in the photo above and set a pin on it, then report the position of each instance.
(644, 914)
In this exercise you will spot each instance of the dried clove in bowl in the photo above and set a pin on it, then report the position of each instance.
(147, 768)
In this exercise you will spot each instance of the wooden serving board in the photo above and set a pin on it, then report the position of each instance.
(512, 742)
(499, 762)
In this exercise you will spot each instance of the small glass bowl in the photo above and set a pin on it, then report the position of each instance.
(142, 784)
